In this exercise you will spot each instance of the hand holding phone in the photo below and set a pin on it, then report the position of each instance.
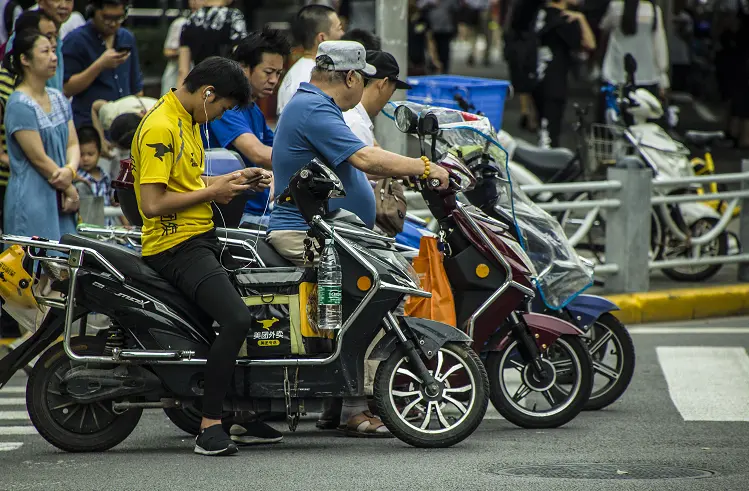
(112, 58)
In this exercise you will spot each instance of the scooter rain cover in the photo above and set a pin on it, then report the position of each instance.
(561, 273)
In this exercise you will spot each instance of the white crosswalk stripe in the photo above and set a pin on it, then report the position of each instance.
(14, 418)
(12, 401)
(14, 415)
(12, 390)
(698, 384)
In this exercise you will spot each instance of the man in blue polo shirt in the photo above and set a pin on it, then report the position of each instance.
(262, 55)
(101, 60)
(312, 125)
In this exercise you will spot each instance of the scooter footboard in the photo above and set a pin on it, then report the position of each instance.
(431, 337)
(544, 328)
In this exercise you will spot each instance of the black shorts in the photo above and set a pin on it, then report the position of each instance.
(189, 264)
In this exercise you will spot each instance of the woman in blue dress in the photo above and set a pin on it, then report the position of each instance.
(42, 144)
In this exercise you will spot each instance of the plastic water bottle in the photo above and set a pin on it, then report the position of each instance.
(329, 289)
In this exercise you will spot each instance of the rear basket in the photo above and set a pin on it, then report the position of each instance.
(283, 302)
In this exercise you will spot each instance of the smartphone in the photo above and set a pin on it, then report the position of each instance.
(124, 49)
(255, 178)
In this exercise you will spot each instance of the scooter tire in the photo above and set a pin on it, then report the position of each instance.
(709, 271)
(627, 347)
(186, 419)
(507, 410)
(404, 429)
(54, 359)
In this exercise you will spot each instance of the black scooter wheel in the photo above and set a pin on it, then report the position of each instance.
(434, 420)
(526, 401)
(186, 419)
(65, 423)
(609, 336)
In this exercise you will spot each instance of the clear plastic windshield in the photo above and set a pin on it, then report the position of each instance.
(562, 273)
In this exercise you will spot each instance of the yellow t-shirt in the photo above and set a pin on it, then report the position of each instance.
(167, 149)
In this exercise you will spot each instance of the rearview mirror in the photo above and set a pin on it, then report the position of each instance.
(429, 124)
(405, 119)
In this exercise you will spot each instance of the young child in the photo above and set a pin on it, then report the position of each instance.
(89, 173)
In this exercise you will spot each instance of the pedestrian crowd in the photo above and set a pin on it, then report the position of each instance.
(72, 89)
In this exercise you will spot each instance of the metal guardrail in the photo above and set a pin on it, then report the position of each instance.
(627, 230)
(631, 196)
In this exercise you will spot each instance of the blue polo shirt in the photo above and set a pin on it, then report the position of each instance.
(81, 49)
(310, 126)
(231, 125)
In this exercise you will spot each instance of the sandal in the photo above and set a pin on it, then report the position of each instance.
(365, 425)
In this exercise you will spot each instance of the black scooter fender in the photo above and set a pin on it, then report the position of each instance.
(431, 336)
(47, 333)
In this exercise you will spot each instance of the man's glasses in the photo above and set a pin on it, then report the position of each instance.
(114, 19)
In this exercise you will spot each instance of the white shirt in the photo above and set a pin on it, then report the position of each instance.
(171, 71)
(649, 47)
(75, 21)
(360, 123)
(131, 104)
(300, 72)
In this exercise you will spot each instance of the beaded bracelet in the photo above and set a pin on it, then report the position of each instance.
(427, 165)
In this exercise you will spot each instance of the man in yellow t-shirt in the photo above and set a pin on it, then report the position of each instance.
(179, 239)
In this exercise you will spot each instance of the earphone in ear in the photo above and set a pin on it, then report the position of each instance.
(208, 93)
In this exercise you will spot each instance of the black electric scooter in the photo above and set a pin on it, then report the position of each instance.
(87, 393)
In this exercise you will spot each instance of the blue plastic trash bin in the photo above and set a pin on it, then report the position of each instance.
(487, 95)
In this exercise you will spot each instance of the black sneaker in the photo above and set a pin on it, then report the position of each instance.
(214, 441)
(254, 433)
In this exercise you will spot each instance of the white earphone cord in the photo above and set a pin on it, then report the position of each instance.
(210, 173)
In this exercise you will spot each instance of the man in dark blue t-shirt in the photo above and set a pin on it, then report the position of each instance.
(244, 130)
(312, 125)
(101, 60)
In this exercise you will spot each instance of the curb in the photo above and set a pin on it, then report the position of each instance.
(682, 304)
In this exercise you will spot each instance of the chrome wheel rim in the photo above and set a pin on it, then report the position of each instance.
(444, 412)
(603, 347)
(521, 395)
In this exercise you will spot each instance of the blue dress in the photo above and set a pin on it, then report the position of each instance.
(31, 206)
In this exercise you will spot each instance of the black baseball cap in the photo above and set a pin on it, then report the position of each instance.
(386, 67)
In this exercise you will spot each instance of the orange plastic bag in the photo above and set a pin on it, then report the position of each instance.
(428, 264)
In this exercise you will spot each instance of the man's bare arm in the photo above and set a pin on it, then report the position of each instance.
(378, 162)
(156, 201)
(251, 147)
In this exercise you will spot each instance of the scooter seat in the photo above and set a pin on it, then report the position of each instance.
(542, 162)
(705, 138)
(138, 273)
(267, 253)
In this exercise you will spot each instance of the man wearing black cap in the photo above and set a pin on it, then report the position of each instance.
(378, 89)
